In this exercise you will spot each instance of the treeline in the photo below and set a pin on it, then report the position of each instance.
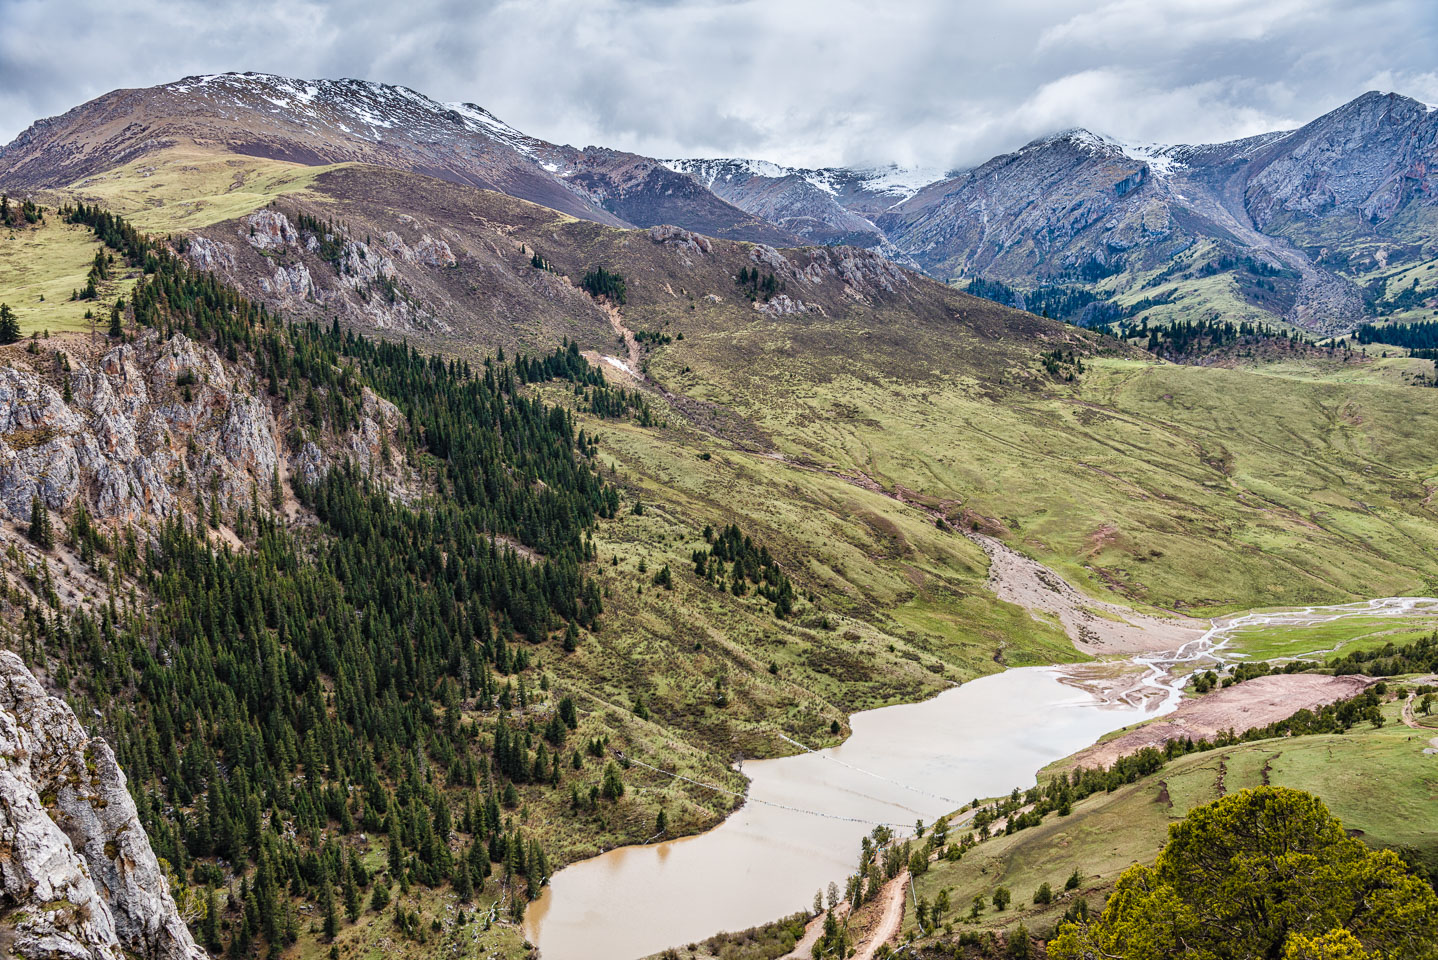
(1377, 299)
(593, 393)
(600, 282)
(735, 557)
(1187, 338)
(758, 286)
(1390, 660)
(381, 653)
(1062, 363)
(24, 213)
(1055, 302)
(1246, 264)
(1422, 335)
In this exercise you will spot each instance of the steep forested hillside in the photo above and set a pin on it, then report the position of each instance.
(290, 700)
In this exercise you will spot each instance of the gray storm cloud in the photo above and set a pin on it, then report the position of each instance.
(813, 82)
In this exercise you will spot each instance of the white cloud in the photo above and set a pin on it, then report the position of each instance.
(930, 82)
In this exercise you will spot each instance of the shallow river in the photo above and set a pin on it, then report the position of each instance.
(900, 764)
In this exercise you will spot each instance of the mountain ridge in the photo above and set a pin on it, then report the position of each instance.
(1305, 226)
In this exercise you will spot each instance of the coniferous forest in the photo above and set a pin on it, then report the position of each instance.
(314, 684)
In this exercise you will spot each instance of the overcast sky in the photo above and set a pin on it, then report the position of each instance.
(813, 82)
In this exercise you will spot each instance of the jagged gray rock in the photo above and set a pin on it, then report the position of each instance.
(78, 880)
(155, 427)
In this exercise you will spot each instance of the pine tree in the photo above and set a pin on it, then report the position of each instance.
(9, 325)
(116, 327)
(379, 899)
(612, 787)
(463, 881)
(351, 890)
(40, 532)
(210, 926)
(327, 909)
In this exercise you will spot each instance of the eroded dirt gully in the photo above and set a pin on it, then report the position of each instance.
(1096, 627)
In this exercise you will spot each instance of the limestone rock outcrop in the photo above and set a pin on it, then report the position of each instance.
(78, 880)
(145, 430)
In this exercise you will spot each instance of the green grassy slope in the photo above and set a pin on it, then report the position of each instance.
(43, 265)
(1378, 782)
(899, 608)
(185, 188)
(1213, 489)
(1210, 489)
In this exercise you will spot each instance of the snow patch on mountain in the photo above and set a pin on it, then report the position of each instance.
(1162, 159)
(892, 180)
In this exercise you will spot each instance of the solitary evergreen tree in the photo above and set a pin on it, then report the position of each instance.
(463, 881)
(612, 787)
(9, 324)
(327, 908)
(351, 890)
(210, 926)
(40, 532)
(379, 899)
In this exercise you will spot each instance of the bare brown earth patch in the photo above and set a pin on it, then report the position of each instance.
(1242, 707)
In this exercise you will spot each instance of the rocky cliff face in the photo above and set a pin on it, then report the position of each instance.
(78, 880)
(1372, 157)
(148, 429)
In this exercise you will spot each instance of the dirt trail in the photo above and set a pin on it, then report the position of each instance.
(804, 949)
(891, 917)
(1411, 722)
(1408, 719)
(631, 345)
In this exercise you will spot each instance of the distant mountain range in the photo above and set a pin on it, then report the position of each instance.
(1320, 227)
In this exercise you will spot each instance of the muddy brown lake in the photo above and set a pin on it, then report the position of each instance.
(801, 826)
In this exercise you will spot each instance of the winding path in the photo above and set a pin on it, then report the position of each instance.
(891, 916)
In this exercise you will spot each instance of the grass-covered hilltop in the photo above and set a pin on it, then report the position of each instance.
(412, 520)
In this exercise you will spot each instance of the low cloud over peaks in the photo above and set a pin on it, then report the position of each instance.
(812, 82)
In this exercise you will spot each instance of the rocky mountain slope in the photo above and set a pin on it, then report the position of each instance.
(1305, 226)
(1301, 226)
(407, 255)
(1292, 219)
(834, 205)
(140, 432)
(354, 121)
(78, 880)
